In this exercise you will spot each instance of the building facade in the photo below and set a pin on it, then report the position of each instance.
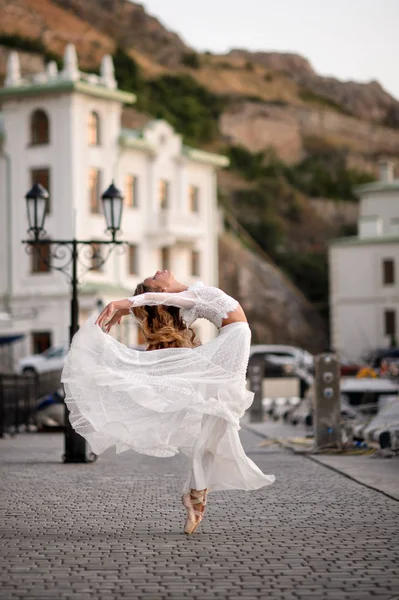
(364, 273)
(63, 129)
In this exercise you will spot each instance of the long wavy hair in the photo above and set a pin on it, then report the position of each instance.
(162, 326)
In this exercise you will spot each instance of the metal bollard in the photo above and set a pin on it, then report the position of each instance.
(327, 401)
(255, 377)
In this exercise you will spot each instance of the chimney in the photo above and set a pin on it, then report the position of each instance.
(386, 170)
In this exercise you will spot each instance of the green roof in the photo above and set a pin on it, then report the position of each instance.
(357, 241)
(38, 89)
(134, 138)
(377, 186)
(217, 160)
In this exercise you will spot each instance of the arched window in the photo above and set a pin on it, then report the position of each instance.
(39, 128)
(94, 129)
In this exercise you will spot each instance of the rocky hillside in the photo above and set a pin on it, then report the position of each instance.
(272, 99)
(277, 313)
(298, 142)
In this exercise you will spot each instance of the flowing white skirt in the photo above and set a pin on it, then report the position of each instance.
(166, 401)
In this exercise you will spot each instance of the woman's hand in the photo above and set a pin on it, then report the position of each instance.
(115, 319)
(108, 312)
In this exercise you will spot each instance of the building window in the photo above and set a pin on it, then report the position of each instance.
(163, 194)
(96, 257)
(165, 258)
(390, 323)
(94, 129)
(388, 271)
(131, 198)
(193, 197)
(39, 128)
(195, 263)
(41, 341)
(133, 260)
(94, 190)
(42, 176)
(40, 258)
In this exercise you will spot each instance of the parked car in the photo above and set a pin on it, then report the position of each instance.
(349, 368)
(376, 357)
(51, 359)
(50, 411)
(286, 356)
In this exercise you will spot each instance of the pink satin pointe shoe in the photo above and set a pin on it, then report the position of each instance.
(196, 498)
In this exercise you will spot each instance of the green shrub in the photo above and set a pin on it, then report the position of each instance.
(255, 210)
(326, 175)
(253, 98)
(127, 71)
(247, 163)
(223, 64)
(29, 45)
(179, 99)
(309, 271)
(391, 118)
(191, 59)
(255, 165)
(309, 96)
(186, 104)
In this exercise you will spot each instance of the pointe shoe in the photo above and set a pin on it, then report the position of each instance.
(194, 516)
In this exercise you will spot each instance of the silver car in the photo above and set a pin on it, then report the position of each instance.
(51, 359)
(289, 357)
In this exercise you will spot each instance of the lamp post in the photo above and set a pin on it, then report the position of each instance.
(64, 255)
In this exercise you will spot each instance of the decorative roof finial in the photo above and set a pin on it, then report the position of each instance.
(13, 76)
(71, 68)
(52, 69)
(107, 72)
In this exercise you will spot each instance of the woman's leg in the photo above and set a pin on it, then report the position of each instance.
(195, 502)
(200, 473)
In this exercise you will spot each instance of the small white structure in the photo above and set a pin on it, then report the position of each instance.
(63, 130)
(364, 273)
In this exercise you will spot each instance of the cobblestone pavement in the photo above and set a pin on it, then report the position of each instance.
(113, 529)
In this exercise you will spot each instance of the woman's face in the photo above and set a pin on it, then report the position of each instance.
(162, 280)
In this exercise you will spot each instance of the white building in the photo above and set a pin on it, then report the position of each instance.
(364, 273)
(64, 131)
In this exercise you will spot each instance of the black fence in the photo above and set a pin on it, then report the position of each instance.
(19, 396)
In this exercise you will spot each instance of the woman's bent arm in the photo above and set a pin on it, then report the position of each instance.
(235, 316)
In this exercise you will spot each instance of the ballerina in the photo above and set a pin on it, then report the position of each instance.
(179, 396)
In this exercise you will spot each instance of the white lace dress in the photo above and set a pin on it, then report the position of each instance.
(162, 402)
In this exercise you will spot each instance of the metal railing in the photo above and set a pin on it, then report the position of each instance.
(19, 396)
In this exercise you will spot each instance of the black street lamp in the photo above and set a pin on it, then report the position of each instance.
(36, 202)
(63, 255)
(112, 206)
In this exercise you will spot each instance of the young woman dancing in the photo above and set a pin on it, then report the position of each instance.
(179, 396)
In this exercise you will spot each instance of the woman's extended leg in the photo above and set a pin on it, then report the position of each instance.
(200, 472)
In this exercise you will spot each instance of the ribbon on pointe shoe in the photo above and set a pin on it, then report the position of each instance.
(194, 517)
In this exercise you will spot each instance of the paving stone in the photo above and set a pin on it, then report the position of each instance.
(113, 529)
